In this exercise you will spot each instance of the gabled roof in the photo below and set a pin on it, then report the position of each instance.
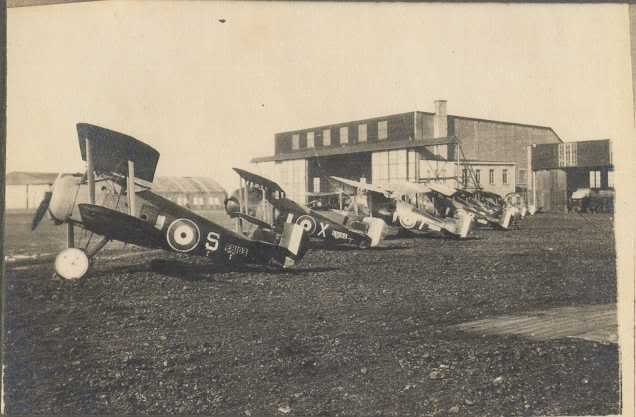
(186, 185)
(477, 119)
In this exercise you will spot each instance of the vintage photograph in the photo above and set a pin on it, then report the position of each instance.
(318, 209)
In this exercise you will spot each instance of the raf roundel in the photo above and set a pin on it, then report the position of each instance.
(183, 235)
(308, 223)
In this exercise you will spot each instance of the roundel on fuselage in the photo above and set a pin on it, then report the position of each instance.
(183, 235)
(307, 222)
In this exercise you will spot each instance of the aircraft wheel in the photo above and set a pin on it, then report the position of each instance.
(364, 244)
(407, 222)
(71, 264)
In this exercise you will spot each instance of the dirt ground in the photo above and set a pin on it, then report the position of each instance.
(348, 332)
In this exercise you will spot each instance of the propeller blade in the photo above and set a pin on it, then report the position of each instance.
(41, 210)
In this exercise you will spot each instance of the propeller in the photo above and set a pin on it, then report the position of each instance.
(41, 210)
(44, 205)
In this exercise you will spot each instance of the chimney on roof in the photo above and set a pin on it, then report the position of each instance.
(440, 120)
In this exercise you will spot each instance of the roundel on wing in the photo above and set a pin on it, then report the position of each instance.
(307, 222)
(183, 235)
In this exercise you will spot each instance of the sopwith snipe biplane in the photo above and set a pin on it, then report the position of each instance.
(113, 199)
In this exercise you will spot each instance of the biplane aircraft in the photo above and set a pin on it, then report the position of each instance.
(263, 203)
(482, 206)
(113, 199)
(392, 204)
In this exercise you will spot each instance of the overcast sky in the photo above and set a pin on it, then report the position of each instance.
(210, 95)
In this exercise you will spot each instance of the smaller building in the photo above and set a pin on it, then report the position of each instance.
(558, 170)
(192, 192)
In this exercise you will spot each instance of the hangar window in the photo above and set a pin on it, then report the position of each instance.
(213, 201)
(326, 137)
(295, 141)
(383, 130)
(477, 177)
(595, 179)
(491, 177)
(504, 176)
(610, 179)
(465, 177)
(362, 132)
(316, 184)
(344, 135)
(310, 139)
(523, 176)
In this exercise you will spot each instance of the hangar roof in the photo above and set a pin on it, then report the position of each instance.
(30, 178)
(186, 185)
(160, 185)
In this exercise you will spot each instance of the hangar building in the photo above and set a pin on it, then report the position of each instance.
(415, 146)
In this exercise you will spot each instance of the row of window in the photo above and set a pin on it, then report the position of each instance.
(383, 134)
(595, 179)
(197, 201)
(467, 180)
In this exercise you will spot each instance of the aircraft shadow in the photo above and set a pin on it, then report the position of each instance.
(348, 248)
(196, 272)
(431, 237)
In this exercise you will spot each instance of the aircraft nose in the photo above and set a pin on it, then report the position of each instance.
(62, 200)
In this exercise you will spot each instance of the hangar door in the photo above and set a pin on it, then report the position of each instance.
(551, 190)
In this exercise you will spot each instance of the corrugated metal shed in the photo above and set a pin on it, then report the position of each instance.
(186, 185)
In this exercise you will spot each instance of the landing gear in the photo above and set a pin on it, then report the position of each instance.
(71, 264)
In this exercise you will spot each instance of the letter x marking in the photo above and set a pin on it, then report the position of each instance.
(323, 229)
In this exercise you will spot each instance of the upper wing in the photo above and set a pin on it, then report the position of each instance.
(257, 179)
(406, 187)
(442, 189)
(362, 185)
(112, 150)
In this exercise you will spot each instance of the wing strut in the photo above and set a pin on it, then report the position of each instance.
(90, 170)
(131, 188)
(70, 235)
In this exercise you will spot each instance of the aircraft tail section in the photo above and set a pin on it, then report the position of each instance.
(375, 230)
(293, 244)
(506, 217)
(464, 223)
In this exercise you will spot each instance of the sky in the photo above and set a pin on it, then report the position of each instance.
(209, 95)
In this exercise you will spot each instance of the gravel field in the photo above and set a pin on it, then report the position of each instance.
(348, 332)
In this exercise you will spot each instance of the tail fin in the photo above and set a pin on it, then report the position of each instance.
(375, 230)
(293, 244)
(464, 223)
(504, 222)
